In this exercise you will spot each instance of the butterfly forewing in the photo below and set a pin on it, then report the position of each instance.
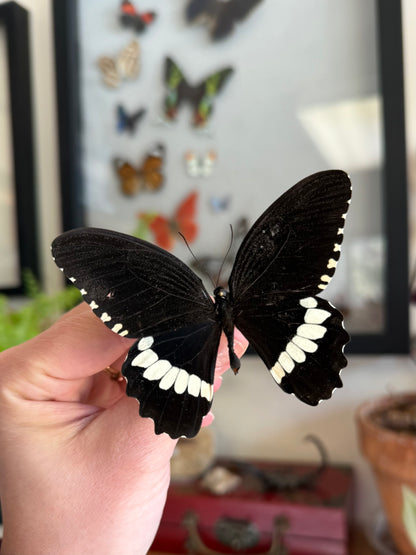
(295, 245)
(133, 286)
(289, 256)
(172, 376)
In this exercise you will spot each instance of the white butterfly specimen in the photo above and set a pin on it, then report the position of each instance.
(126, 65)
(200, 166)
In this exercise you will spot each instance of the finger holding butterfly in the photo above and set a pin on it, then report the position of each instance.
(64, 417)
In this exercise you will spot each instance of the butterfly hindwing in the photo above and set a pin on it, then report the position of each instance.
(172, 375)
(301, 342)
(120, 278)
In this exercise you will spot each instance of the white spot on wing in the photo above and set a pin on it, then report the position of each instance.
(168, 379)
(157, 370)
(181, 382)
(72, 279)
(308, 302)
(105, 317)
(316, 316)
(117, 328)
(123, 333)
(311, 331)
(305, 344)
(93, 305)
(286, 362)
(145, 343)
(83, 292)
(295, 352)
(145, 359)
(277, 372)
(194, 385)
(206, 390)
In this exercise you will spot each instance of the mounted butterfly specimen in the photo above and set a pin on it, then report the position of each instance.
(201, 96)
(128, 122)
(132, 19)
(220, 203)
(124, 66)
(200, 166)
(286, 259)
(166, 229)
(146, 177)
(220, 15)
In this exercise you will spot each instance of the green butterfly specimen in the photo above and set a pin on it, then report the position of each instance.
(201, 96)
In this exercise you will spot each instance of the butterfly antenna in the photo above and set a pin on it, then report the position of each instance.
(226, 255)
(198, 265)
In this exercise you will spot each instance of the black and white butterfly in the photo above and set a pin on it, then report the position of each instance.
(287, 258)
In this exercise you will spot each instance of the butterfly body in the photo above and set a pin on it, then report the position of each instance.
(286, 259)
(224, 312)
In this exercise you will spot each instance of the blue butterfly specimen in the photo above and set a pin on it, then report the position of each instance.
(285, 261)
(128, 122)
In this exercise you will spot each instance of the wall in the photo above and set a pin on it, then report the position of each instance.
(243, 427)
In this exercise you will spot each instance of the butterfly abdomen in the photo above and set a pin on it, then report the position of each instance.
(224, 315)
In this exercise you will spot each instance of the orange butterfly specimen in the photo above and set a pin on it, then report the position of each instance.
(148, 176)
(166, 230)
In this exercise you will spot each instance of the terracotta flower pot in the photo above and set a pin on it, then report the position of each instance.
(392, 455)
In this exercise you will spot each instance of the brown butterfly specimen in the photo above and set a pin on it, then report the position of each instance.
(147, 177)
(126, 65)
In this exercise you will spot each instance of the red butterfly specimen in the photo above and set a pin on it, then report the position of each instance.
(131, 18)
(166, 230)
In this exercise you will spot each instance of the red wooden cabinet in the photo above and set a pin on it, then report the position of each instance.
(303, 521)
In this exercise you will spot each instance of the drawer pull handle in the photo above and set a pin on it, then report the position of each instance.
(248, 537)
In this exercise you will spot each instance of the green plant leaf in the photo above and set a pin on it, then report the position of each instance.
(409, 513)
(37, 313)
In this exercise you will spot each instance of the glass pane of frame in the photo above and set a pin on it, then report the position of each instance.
(316, 86)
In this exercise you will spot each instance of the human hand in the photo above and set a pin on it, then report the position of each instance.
(80, 471)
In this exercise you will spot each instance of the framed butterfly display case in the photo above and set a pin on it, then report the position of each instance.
(18, 231)
(186, 118)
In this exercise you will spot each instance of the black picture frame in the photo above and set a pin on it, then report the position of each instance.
(15, 21)
(394, 338)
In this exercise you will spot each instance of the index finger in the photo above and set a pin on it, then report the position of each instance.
(78, 345)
